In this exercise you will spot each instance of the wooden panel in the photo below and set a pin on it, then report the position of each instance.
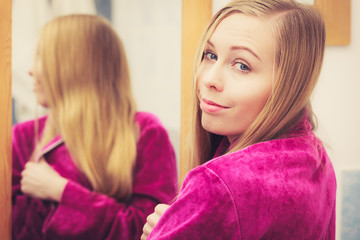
(195, 16)
(337, 15)
(5, 120)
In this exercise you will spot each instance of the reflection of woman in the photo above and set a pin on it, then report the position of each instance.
(269, 177)
(100, 167)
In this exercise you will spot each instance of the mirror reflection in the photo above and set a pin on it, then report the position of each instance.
(151, 34)
(94, 163)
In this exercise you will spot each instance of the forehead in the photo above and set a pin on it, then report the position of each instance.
(245, 30)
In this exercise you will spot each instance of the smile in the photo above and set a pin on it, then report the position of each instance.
(211, 107)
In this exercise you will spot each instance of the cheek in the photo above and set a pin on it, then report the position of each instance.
(198, 85)
(200, 75)
(40, 93)
(261, 100)
(250, 104)
(41, 99)
(38, 79)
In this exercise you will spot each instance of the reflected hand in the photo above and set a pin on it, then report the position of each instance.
(153, 219)
(40, 180)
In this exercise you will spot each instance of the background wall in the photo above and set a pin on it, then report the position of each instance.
(336, 103)
(151, 33)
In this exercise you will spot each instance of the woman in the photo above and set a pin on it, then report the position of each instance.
(94, 168)
(269, 176)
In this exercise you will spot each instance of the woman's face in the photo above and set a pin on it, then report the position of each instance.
(235, 75)
(38, 86)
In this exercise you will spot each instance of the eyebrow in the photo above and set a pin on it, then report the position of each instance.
(238, 47)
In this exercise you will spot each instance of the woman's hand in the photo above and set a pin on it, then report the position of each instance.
(40, 180)
(152, 220)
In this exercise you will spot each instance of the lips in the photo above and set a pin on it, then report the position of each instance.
(212, 103)
(210, 106)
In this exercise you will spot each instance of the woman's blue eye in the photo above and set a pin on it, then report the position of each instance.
(210, 56)
(242, 67)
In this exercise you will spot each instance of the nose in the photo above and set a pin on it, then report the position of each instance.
(31, 72)
(212, 77)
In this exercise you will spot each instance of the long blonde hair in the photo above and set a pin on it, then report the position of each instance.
(87, 85)
(300, 33)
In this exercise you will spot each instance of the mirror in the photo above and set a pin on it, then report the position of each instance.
(151, 34)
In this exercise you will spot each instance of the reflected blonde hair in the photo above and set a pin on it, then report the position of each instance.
(299, 31)
(87, 84)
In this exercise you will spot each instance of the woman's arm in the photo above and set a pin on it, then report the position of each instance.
(40, 180)
(84, 214)
(205, 209)
(28, 213)
(23, 144)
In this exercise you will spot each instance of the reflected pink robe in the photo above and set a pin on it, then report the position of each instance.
(82, 213)
(280, 189)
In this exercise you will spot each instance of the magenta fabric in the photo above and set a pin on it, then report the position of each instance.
(279, 189)
(83, 213)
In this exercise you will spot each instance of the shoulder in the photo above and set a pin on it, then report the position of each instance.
(27, 128)
(207, 207)
(150, 126)
(153, 137)
(263, 179)
(23, 140)
(203, 184)
(147, 119)
(305, 151)
(207, 183)
(273, 168)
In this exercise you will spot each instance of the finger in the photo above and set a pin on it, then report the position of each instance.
(146, 230)
(161, 208)
(42, 161)
(152, 219)
(22, 184)
(143, 237)
(28, 171)
(28, 165)
(23, 187)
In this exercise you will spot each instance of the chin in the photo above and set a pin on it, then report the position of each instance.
(221, 128)
(212, 126)
(43, 104)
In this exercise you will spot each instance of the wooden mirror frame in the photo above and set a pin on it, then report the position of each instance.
(5, 120)
(337, 16)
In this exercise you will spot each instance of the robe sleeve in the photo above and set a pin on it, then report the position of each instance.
(23, 144)
(27, 213)
(84, 214)
(200, 211)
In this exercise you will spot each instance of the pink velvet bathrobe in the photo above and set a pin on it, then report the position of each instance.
(280, 189)
(83, 213)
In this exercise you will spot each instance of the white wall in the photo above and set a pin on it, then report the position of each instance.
(151, 33)
(337, 104)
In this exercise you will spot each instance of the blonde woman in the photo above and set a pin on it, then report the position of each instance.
(259, 172)
(94, 168)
